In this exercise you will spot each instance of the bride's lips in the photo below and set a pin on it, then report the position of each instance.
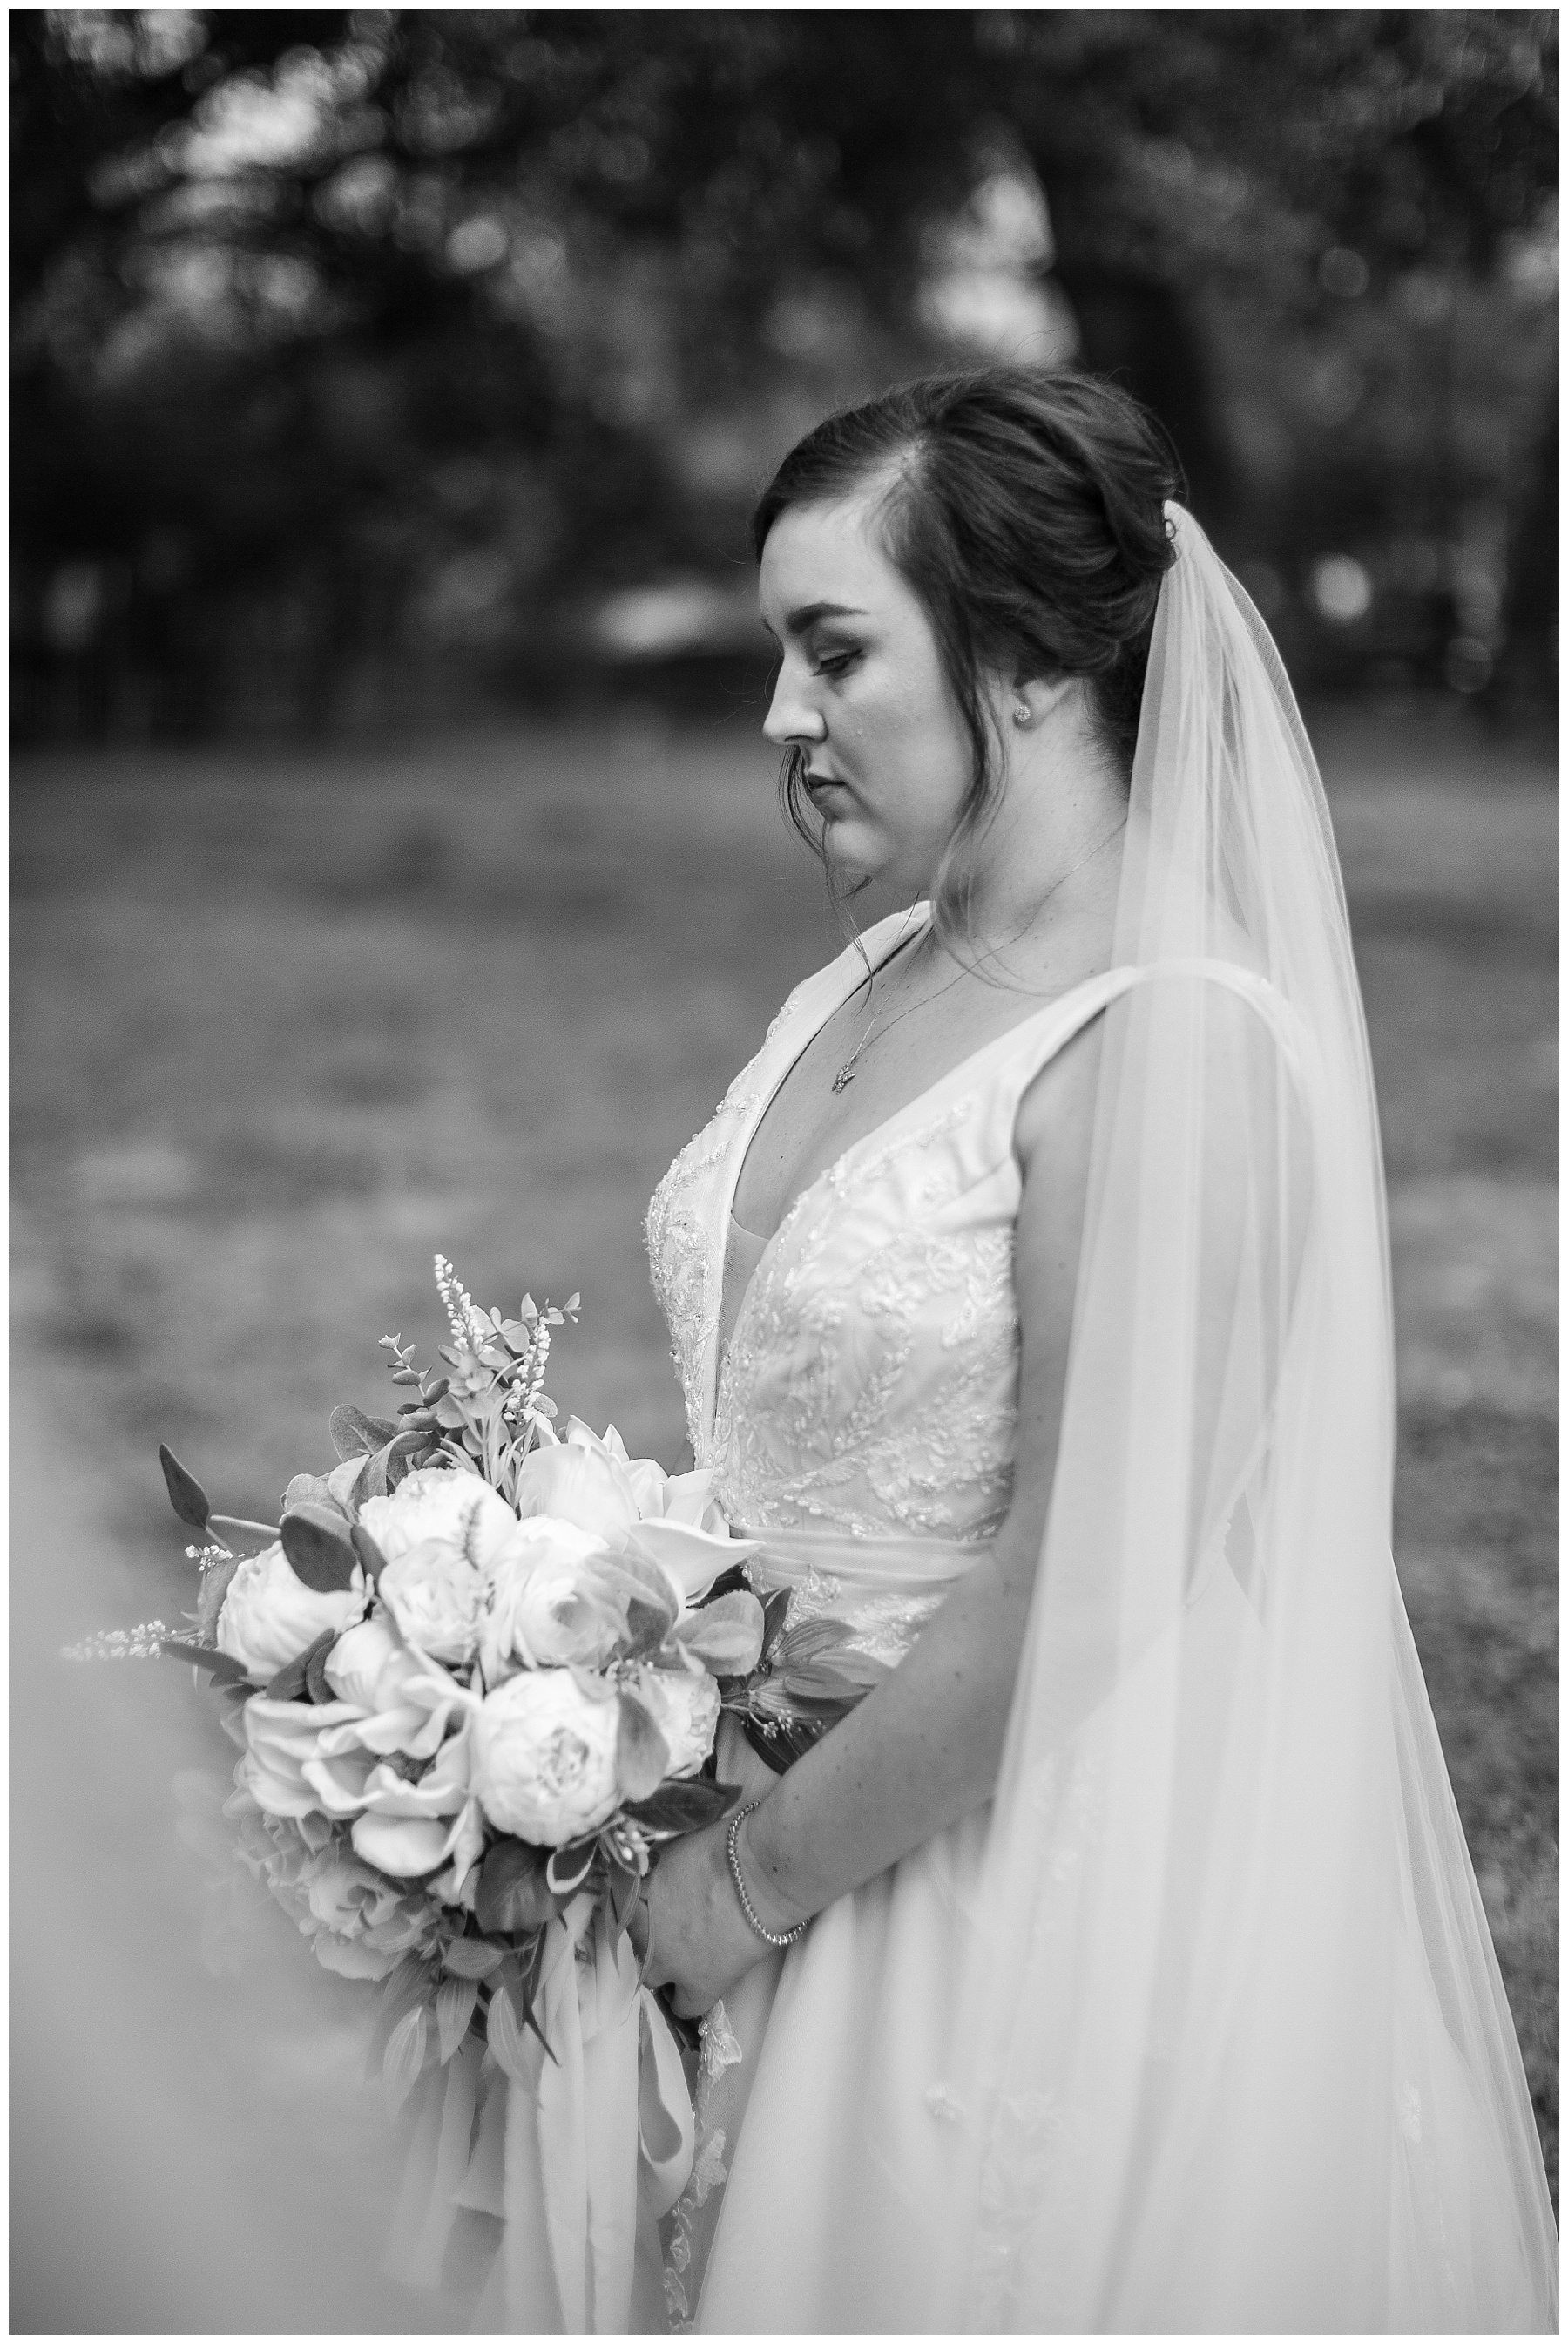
(818, 783)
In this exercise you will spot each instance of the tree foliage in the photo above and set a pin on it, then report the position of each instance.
(382, 325)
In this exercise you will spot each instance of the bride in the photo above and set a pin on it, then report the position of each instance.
(1116, 1962)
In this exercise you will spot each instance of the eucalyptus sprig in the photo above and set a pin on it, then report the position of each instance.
(490, 1411)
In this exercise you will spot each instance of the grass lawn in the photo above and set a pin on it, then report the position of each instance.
(284, 1022)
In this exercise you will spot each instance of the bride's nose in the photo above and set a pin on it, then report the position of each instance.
(791, 718)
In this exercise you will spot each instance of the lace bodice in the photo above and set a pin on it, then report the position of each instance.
(869, 1389)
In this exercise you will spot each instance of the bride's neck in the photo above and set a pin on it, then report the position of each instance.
(1052, 844)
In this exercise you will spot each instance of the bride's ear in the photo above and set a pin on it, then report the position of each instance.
(1030, 700)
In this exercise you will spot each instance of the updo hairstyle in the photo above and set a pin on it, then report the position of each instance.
(1026, 512)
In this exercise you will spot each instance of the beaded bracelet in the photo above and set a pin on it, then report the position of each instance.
(771, 1936)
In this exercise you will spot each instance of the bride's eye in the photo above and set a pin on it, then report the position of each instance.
(835, 662)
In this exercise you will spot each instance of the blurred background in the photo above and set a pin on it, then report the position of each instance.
(396, 862)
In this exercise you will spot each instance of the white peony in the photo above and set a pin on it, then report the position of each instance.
(437, 1599)
(549, 1607)
(544, 1756)
(684, 1705)
(443, 1504)
(269, 1616)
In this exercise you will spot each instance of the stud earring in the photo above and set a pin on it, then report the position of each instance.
(1022, 713)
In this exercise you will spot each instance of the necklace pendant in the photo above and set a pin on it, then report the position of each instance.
(842, 1079)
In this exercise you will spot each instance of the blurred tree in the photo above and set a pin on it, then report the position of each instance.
(355, 344)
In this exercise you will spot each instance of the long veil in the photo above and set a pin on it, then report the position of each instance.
(1233, 2050)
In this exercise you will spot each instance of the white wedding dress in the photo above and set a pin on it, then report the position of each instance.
(1198, 2025)
(859, 1419)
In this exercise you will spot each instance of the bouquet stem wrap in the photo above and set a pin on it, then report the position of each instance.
(581, 2155)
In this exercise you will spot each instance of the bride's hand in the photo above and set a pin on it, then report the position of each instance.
(701, 1941)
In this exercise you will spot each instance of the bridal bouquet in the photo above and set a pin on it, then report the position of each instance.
(475, 1672)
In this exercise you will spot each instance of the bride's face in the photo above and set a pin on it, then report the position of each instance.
(862, 692)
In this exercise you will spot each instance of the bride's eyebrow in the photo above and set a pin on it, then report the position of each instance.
(796, 621)
(808, 614)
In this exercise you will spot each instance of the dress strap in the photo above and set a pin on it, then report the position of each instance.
(1037, 1040)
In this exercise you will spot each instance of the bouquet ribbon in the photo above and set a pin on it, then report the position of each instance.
(581, 2155)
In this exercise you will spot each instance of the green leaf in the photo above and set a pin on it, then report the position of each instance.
(315, 1684)
(319, 1548)
(641, 1752)
(412, 1981)
(513, 1895)
(775, 1612)
(520, 1977)
(403, 2060)
(224, 1667)
(292, 1680)
(726, 1636)
(567, 1867)
(307, 1490)
(355, 1434)
(369, 1553)
(505, 2033)
(455, 2001)
(624, 1887)
(687, 1807)
(471, 1957)
(187, 1495)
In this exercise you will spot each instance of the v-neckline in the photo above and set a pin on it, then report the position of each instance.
(758, 1107)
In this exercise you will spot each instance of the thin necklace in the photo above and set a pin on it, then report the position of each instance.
(845, 1074)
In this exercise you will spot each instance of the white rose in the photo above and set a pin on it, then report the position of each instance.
(359, 1924)
(549, 1608)
(269, 1616)
(684, 1706)
(543, 1758)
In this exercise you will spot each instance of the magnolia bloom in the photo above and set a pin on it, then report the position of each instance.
(371, 1666)
(684, 1705)
(548, 1606)
(313, 1758)
(544, 1756)
(269, 1616)
(281, 1738)
(411, 1829)
(633, 1505)
(441, 1531)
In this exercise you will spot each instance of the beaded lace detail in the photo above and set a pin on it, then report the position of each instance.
(686, 1278)
(871, 1383)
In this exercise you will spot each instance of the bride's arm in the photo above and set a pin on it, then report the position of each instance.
(924, 1747)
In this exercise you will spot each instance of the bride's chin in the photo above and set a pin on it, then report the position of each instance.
(851, 852)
